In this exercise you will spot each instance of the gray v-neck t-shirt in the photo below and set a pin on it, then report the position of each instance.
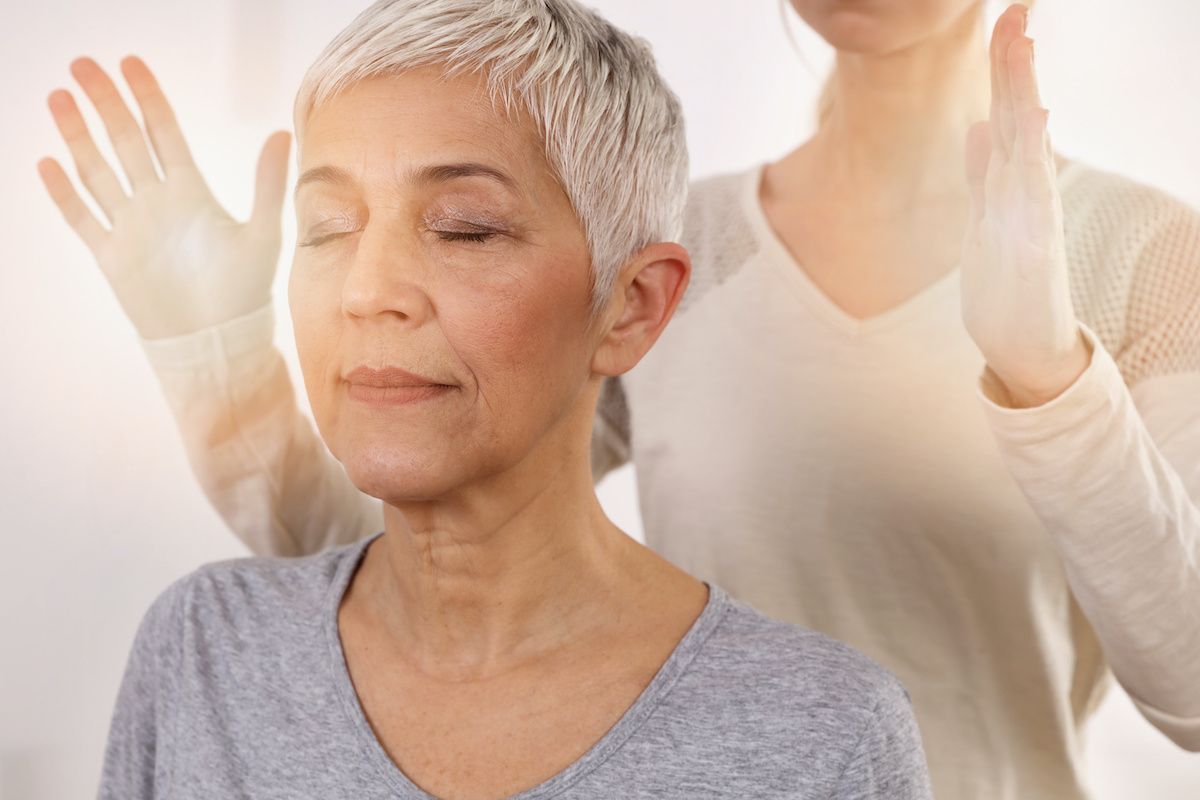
(237, 687)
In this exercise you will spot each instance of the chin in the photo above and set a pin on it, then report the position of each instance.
(401, 477)
(880, 28)
(858, 44)
(862, 32)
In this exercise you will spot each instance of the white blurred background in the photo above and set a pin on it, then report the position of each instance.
(101, 510)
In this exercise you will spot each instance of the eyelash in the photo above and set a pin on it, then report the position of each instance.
(464, 236)
(320, 240)
(449, 236)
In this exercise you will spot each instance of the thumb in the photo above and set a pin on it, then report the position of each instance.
(270, 182)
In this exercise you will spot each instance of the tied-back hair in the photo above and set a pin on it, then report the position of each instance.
(612, 129)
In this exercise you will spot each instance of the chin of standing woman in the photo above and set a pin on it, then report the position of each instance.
(931, 390)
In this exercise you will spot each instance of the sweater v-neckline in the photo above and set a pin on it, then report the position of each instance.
(780, 258)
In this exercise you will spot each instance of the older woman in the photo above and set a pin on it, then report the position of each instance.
(487, 195)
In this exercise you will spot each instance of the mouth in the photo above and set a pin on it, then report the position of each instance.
(391, 386)
(395, 395)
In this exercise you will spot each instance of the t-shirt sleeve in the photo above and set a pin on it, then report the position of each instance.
(888, 761)
(137, 755)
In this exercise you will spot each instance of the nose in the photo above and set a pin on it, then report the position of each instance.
(387, 277)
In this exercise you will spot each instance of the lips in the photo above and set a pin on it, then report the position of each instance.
(391, 386)
(388, 377)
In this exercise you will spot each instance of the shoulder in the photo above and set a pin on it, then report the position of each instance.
(716, 202)
(1133, 252)
(714, 193)
(823, 713)
(789, 673)
(237, 595)
(718, 231)
(1106, 209)
(274, 575)
(765, 701)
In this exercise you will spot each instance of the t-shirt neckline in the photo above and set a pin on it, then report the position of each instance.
(668, 674)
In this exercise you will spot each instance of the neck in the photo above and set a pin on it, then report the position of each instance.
(507, 569)
(898, 122)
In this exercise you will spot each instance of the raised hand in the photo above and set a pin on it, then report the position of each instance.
(177, 261)
(1016, 301)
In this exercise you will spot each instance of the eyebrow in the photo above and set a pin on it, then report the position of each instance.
(432, 173)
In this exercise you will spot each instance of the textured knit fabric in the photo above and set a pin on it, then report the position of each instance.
(998, 560)
(237, 687)
(857, 478)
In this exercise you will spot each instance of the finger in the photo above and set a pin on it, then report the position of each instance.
(1022, 77)
(165, 136)
(123, 129)
(979, 152)
(270, 181)
(94, 170)
(73, 209)
(1033, 140)
(1010, 24)
(1033, 144)
(1037, 176)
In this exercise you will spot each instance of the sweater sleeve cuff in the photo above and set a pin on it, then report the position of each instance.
(1097, 390)
(1183, 731)
(245, 334)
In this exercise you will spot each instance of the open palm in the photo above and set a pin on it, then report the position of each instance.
(1016, 299)
(176, 260)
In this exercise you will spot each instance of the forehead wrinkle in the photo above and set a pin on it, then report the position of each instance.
(511, 152)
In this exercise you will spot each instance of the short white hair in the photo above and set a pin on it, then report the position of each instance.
(611, 127)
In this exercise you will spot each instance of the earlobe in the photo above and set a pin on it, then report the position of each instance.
(650, 285)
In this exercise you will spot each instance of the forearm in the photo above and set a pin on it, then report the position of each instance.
(254, 453)
(1126, 526)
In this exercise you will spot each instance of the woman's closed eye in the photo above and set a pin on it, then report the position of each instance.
(464, 226)
(329, 228)
(318, 240)
(453, 225)
(478, 236)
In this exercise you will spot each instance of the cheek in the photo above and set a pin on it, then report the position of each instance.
(522, 337)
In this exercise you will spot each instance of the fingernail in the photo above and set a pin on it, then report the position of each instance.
(1024, 18)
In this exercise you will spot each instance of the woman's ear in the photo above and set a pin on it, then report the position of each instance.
(648, 288)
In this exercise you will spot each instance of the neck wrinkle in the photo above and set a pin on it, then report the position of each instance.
(468, 586)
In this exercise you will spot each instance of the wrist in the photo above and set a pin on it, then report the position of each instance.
(1051, 382)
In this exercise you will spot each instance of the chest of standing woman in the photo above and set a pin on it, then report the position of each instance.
(766, 400)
